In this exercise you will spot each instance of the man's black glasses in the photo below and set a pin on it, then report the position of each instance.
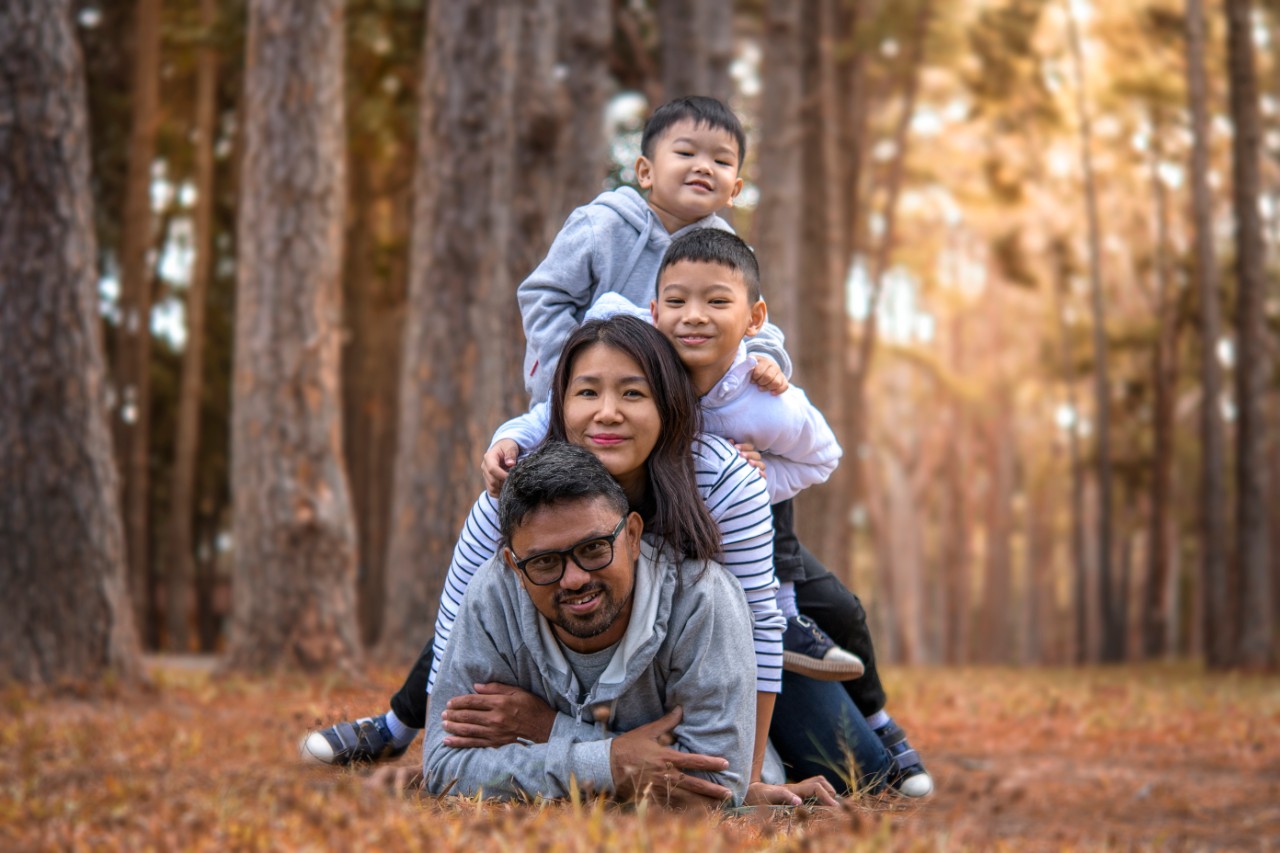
(590, 555)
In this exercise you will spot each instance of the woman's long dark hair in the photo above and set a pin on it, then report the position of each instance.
(680, 515)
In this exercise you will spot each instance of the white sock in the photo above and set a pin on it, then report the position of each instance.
(879, 718)
(786, 599)
(401, 735)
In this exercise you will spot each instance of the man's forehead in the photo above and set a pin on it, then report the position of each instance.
(564, 523)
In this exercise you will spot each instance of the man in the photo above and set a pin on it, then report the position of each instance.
(634, 673)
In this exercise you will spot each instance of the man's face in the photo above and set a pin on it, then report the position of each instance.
(587, 610)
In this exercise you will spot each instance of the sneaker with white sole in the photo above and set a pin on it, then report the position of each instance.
(363, 741)
(808, 650)
(909, 777)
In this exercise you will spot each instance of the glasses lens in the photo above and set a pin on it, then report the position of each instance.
(544, 568)
(594, 554)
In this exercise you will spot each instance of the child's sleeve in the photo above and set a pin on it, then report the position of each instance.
(527, 430)
(553, 299)
(799, 448)
(769, 341)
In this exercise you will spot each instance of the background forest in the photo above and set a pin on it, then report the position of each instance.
(1025, 253)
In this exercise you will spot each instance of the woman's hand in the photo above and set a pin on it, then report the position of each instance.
(767, 376)
(814, 788)
(498, 460)
(495, 715)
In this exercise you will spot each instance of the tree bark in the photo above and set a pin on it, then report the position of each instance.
(1110, 608)
(66, 612)
(460, 349)
(181, 573)
(586, 30)
(295, 547)
(1253, 590)
(1215, 580)
(1157, 614)
(777, 218)
(132, 367)
(697, 48)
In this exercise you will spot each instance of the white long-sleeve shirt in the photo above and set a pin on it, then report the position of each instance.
(738, 500)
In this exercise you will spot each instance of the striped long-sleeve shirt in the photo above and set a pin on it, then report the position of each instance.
(736, 495)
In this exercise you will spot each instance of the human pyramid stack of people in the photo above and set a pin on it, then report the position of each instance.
(632, 577)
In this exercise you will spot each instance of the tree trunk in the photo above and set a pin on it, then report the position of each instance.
(181, 572)
(66, 612)
(132, 367)
(295, 547)
(777, 218)
(1157, 614)
(1215, 582)
(1110, 610)
(460, 349)
(957, 548)
(1253, 590)
(586, 30)
(697, 48)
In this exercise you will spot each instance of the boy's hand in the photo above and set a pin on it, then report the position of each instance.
(753, 457)
(767, 376)
(498, 460)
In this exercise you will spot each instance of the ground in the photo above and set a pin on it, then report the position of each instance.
(1023, 759)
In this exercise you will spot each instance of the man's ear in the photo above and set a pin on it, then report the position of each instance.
(759, 316)
(644, 172)
(510, 560)
(635, 526)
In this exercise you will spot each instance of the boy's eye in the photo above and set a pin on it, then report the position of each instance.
(673, 302)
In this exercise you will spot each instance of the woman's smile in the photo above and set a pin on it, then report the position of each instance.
(609, 409)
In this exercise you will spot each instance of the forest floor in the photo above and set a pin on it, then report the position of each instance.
(1164, 758)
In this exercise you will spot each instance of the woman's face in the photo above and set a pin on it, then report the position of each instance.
(609, 409)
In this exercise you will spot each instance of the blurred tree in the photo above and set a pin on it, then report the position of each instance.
(295, 549)
(181, 551)
(1253, 605)
(460, 350)
(697, 48)
(1111, 600)
(132, 363)
(62, 562)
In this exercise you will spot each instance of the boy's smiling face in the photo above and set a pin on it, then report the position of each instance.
(704, 309)
(693, 172)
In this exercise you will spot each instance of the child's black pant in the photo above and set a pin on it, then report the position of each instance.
(819, 595)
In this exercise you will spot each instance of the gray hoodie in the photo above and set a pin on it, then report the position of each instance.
(614, 244)
(688, 643)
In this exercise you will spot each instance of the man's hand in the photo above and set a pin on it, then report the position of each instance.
(498, 460)
(496, 715)
(753, 457)
(768, 376)
(814, 788)
(645, 766)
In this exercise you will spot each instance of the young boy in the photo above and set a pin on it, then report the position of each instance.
(692, 149)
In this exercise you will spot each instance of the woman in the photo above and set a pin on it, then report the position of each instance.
(621, 392)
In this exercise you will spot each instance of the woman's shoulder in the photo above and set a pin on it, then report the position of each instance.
(714, 449)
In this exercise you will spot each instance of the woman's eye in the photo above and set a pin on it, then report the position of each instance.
(585, 392)
(633, 394)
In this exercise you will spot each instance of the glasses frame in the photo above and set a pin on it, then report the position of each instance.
(567, 553)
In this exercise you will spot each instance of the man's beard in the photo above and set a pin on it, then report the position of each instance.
(593, 624)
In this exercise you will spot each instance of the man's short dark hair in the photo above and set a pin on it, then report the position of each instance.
(713, 246)
(555, 473)
(703, 111)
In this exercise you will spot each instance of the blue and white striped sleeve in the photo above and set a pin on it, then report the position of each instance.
(476, 546)
(738, 499)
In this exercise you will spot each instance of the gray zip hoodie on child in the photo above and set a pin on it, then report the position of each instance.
(614, 244)
(688, 643)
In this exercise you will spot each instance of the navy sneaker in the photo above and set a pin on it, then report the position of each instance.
(909, 777)
(363, 741)
(808, 650)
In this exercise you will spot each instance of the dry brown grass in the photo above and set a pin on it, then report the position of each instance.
(1162, 758)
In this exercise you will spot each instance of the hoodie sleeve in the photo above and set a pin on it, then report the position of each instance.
(797, 443)
(552, 299)
(527, 430)
(479, 654)
(769, 341)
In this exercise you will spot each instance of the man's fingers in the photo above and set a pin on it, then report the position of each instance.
(473, 742)
(454, 717)
(695, 785)
(694, 761)
(494, 688)
(471, 702)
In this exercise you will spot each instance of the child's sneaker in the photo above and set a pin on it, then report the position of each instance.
(808, 650)
(910, 778)
(362, 741)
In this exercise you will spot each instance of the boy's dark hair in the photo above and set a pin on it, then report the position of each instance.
(713, 246)
(556, 472)
(703, 111)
